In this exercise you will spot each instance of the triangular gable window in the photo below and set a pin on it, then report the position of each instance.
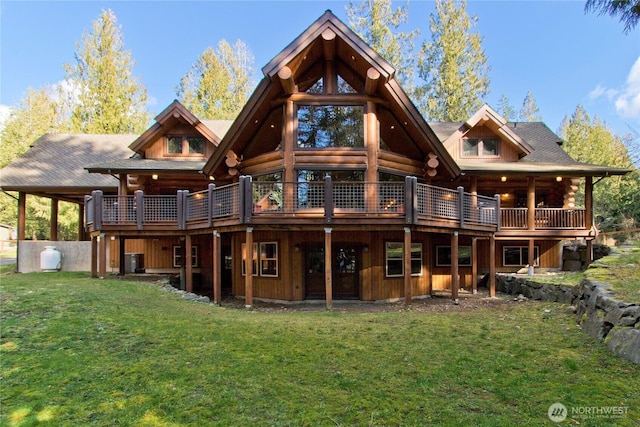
(317, 87)
(344, 87)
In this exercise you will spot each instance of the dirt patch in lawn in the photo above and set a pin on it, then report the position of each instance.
(436, 303)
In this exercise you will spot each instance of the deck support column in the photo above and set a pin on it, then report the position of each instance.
(474, 265)
(328, 271)
(532, 257)
(121, 256)
(492, 266)
(22, 224)
(531, 203)
(81, 223)
(94, 256)
(248, 278)
(217, 266)
(408, 295)
(102, 263)
(53, 220)
(188, 266)
(455, 277)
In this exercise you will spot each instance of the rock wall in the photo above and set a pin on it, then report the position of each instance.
(614, 322)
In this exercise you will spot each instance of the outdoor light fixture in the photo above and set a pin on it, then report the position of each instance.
(558, 178)
(154, 177)
(503, 178)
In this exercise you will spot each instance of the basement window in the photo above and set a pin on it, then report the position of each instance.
(518, 256)
(443, 256)
(394, 259)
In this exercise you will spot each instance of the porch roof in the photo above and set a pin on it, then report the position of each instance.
(54, 165)
(146, 166)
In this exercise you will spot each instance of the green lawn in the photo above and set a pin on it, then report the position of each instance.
(82, 351)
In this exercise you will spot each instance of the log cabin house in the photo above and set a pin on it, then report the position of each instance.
(331, 185)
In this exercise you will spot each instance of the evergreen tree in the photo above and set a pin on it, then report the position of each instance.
(529, 112)
(37, 114)
(616, 200)
(505, 109)
(109, 98)
(627, 10)
(218, 85)
(453, 65)
(378, 25)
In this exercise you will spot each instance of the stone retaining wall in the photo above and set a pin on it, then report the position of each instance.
(617, 323)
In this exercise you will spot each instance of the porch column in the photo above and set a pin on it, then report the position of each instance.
(531, 203)
(217, 265)
(372, 143)
(474, 265)
(53, 220)
(532, 258)
(22, 215)
(94, 256)
(588, 202)
(121, 256)
(81, 223)
(22, 224)
(102, 263)
(492, 266)
(408, 295)
(455, 279)
(188, 264)
(328, 270)
(248, 278)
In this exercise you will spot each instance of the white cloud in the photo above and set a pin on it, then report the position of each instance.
(628, 102)
(603, 91)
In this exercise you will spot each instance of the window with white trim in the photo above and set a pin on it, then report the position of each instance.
(265, 259)
(479, 147)
(394, 259)
(177, 256)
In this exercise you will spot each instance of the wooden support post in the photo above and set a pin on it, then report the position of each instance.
(94, 256)
(532, 257)
(531, 203)
(372, 143)
(588, 202)
(121, 256)
(217, 267)
(408, 294)
(455, 278)
(53, 220)
(474, 265)
(492, 266)
(248, 278)
(22, 215)
(81, 223)
(188, 266)
(183, 264)
(102, 264)
(328, 270)
(589, 254)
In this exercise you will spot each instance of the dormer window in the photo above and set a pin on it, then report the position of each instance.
(480, 147)
(185, 145)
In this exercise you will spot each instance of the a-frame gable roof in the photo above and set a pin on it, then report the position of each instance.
(175, 113)
(487, 116)
(290, 70)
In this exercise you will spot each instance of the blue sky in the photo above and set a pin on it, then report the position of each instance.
(551, 48)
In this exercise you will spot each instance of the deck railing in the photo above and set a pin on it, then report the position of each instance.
(243, 201)
(545, 219)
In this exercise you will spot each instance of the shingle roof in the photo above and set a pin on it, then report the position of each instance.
(547, 156)
(137, 165)
(55, 164)
(219, 127)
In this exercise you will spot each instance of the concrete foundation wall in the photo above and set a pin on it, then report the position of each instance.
(76, 256)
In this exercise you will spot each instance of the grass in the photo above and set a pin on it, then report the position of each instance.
(82, 351)
(621, 271)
